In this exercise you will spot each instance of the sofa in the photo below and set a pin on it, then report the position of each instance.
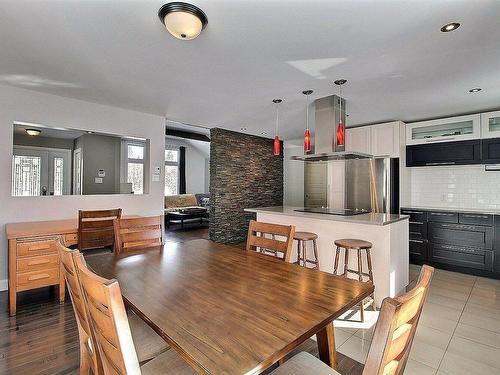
(186, 207)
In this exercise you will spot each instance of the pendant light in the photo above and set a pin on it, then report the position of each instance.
(276, 136)
(340, 125)
(307, 133)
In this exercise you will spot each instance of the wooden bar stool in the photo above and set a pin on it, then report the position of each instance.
(302, 238)
(359, 245)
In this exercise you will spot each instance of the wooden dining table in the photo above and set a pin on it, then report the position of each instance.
(230, 311)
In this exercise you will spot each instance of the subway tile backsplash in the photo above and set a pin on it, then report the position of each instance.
(455, 187)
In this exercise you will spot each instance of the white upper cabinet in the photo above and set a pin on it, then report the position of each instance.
(490, 124)
(385, 140)
(450, 129)
(358, 139)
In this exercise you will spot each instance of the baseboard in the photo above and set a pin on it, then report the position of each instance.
(4, 285)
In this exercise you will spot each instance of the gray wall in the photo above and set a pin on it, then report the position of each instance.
(38, 141)
(243, 173)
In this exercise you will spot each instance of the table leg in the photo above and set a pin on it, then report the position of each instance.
(326, 346)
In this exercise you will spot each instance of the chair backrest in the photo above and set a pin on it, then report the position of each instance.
(396, 327)
(266, 237)
(95, 228)
(138, 232)
(86, 334)
(109, 322)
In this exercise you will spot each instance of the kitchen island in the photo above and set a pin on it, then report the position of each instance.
(388, 233)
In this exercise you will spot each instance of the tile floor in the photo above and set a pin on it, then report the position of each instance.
(458, 333)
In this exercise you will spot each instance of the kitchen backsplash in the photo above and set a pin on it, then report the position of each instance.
(454, 187)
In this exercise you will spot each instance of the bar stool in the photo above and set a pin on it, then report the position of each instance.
(359, 245)
(302, 238)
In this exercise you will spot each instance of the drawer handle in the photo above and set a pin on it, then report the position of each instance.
(464, 250)
(416, 222)
(441, 214)
(442, 163)
(38, 277)
(476, 216)
(417, 241)
(37, 262)
(39, 247)
(457, 226)
(412, 212)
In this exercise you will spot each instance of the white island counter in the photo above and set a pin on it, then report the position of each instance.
(388, 233)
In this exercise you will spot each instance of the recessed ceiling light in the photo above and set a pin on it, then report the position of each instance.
(89, 132)
(450, 27)
(477, 89)
(243, 128)
(33, 132)
(182, 20)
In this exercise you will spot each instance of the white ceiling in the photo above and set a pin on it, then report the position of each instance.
(398, 64)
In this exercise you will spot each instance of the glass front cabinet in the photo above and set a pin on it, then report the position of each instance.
(490, 124)
(450, 129)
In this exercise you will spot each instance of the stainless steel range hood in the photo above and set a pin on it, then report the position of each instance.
(328, 113)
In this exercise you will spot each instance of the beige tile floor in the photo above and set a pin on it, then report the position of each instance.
(458, 333)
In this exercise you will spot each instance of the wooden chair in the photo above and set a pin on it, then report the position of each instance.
(131, 234)
(392, 340)
(257, 240)
(148, 344)
(112, 331)
(95, 228)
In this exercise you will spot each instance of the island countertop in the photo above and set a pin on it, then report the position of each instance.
(369, 218)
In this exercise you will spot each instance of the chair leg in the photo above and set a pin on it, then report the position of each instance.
(304, 254)
(298, 252)
(369, 261)
(315, 247)
(336, 263)
(346, 262)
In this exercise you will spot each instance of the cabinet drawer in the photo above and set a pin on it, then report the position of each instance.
(418, 230)
(418, 250)
(415, 215)
(37, 279)
(29, 248)
(38, 263)
(461, 235)
(71, 239)
(476, 219)
(462, 256)
(443, 217)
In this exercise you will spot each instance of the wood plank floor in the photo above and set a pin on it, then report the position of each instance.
(43, 338)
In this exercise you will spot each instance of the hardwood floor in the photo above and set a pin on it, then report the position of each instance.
(43, 338)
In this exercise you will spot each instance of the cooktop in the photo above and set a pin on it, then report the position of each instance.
(334, 211)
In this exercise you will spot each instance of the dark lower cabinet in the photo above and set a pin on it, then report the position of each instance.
(490, 151)
(465, 242)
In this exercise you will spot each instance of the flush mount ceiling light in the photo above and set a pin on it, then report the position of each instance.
(182, 20)
(477, 89)
(450, 27)
(33, 132)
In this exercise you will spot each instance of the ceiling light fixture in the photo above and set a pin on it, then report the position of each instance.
(182, 20)
(33, 132)
(477, 89)
(307, 133)
(340, 125)
(277, 145)
(450, 27)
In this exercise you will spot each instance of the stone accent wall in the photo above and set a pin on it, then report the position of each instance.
(244, 173)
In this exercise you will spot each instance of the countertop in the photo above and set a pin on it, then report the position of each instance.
(486, 211)
(370, 218)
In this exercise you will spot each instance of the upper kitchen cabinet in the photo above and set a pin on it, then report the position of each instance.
(377, 140)
(358, 139)
(450, 129)
(385, 139)
(490, 124)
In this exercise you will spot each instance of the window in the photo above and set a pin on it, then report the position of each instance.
(58, 175)
(171, 171)
(135, 167)
(26, 173)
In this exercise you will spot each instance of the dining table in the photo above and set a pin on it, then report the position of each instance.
(226, 310)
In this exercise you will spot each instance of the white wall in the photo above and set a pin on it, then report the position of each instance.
(30, 106)
(196, 165)
(454, 187)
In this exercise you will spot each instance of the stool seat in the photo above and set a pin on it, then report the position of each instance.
(305, 236)
(351, 243)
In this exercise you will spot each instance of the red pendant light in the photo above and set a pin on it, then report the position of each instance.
(340, 125)
(277, 145)
(307, 133)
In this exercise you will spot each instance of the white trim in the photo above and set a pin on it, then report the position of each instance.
(4, 285)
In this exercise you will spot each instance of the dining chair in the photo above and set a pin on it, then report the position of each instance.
(280, 240)
(141, 232)
(148, 344)
(95, 228)
(392, 339)
(112, 331)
